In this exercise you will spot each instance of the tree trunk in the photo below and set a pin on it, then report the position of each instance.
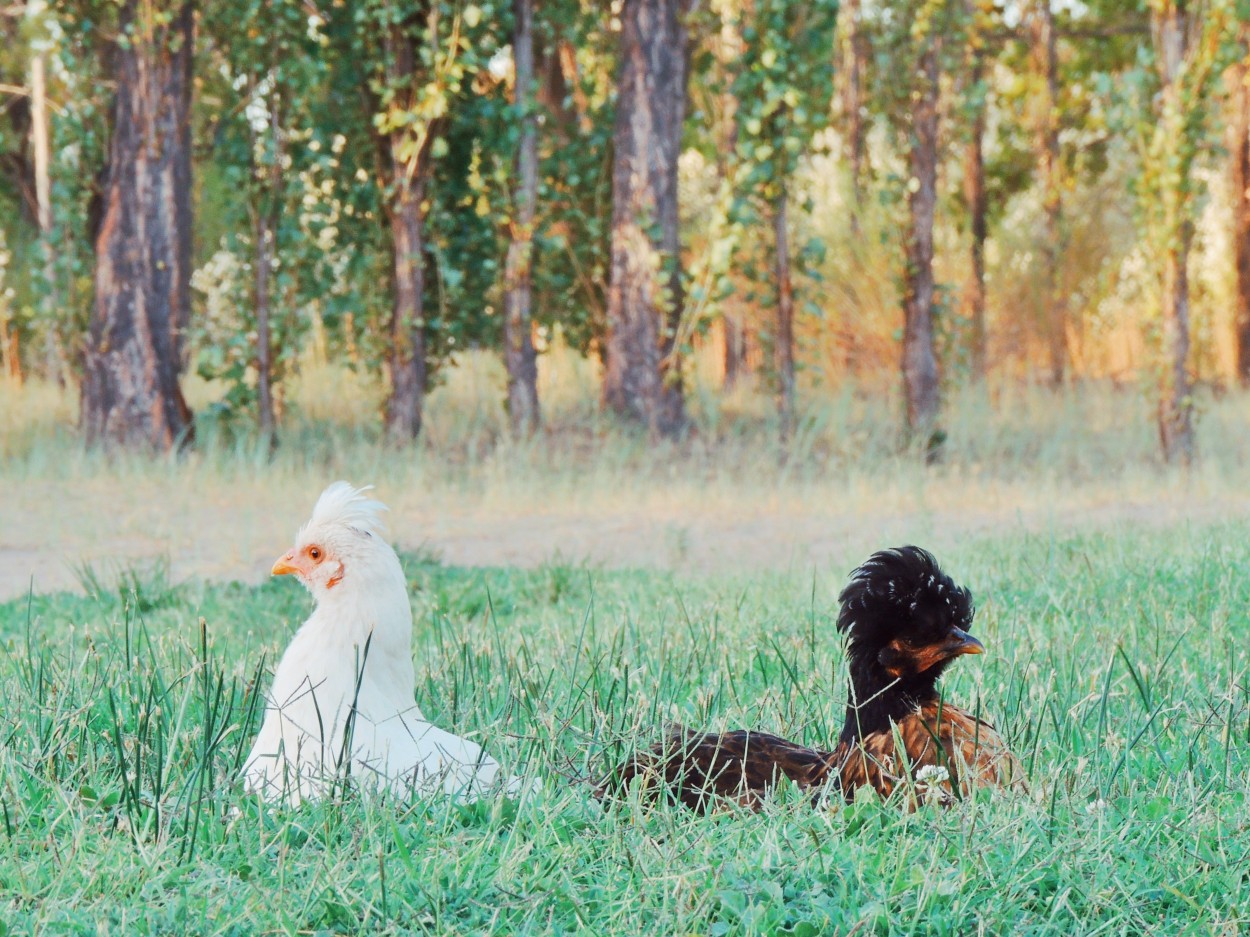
(130, 392)
(1176, 434)
(266, 425)
(1239, 159)
(978, 206)
(783, 348)
(405, 357)
(735, 348)
(920, 371)
(40, 136)
(643, 379)
(1047, 140)
(10, 339)
(10, 346)
(266, 218)
(1176, 431)
(519, 355)
(733, 325)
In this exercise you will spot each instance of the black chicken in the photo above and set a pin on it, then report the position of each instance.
(905, 621)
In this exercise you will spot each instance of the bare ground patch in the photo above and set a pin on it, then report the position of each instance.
(233, 531)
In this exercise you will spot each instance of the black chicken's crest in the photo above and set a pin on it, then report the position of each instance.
(898, 591)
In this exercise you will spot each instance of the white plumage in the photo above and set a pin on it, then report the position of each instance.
(342, 697)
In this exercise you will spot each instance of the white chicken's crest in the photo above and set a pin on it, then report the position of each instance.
(341, 504)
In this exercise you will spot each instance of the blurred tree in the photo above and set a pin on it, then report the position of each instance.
(1045, 63)
(726, 65)
(783, 89)
(15, 173)
(852, 59)
(1052, 141)
(920, 373)
(17, 169)
(130, 391)
(982, 20)
(642, 380)
(54, 90)
(41, 146)
(1238, 81)
(1172, 131)
(10, 336)
(413, 102)
(576, 56)
(914, 44)
(269, 54)
(520, 358)
(438, 121)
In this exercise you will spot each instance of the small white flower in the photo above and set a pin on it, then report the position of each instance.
(932, 774)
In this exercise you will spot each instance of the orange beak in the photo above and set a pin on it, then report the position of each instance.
(286, 564)
(960, 642)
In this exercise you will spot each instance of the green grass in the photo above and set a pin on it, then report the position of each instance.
(1118, 665)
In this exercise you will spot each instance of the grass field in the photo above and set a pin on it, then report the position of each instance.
(1118, 665)
(1113, 599)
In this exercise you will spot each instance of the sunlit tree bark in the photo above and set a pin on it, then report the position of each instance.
(642, 380)
(130, 392)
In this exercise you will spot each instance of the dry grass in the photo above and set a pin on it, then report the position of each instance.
(727, 497)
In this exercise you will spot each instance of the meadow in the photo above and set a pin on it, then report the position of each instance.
(1113, 602)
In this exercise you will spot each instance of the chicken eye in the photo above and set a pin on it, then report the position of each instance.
(314, 552)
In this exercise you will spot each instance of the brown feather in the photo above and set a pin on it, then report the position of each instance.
(937, 735)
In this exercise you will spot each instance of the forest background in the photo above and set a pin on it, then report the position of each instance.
(906, 199)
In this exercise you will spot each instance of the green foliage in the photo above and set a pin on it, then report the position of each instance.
(781, 84)
(572, 240)
(759, 116)
(1169, 116)
(783, 87)
(436, 107)
(52, 298)
(259, 118)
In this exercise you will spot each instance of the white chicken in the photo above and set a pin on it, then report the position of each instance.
(342, 699)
